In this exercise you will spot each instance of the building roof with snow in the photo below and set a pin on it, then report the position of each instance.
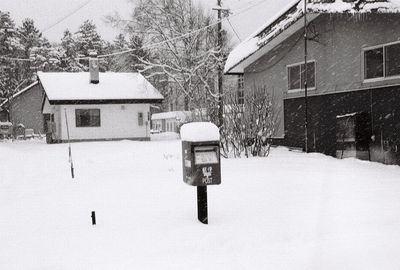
(287, 22)
(74, 87)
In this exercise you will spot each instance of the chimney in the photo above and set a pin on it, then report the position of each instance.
(93, 67)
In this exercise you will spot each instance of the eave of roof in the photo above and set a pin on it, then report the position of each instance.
(104, 101)
(270, 35)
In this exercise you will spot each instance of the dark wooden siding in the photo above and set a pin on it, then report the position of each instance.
(26, 109)
(381, 104)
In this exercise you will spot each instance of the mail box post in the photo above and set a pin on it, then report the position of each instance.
(201, 161)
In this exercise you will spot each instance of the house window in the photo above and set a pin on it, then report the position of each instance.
(240, 92)
(140, 119)
(87, 117)
(296, 78)
(382, 61)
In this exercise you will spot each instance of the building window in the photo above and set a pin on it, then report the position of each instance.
(140, 119)
(296, 78)
(240, 92)
(87, 117)
(382, 61)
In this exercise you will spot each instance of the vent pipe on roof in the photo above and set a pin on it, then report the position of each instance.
(93, 67)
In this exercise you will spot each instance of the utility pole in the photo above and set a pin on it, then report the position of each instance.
(219, 9)
(305, 79)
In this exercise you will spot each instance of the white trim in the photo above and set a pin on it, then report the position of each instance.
(363, 65)
(300, 90)
(279, 137)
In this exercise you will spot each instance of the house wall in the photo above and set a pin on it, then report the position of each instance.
(165, 125)
(117, 121)
(26, 109)
(337, 51)
(336, 46)
(157, 124)
(383, 118)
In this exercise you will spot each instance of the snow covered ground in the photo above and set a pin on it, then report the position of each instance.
(288, 211)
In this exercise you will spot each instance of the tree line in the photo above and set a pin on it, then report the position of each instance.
(24, 50)
(172, 42)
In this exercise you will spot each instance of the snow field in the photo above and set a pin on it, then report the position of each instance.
(288, 211)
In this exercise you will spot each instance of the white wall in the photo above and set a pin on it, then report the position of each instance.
(117, 121)
(170, 125)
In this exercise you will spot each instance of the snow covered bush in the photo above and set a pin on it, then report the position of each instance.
(249, 124)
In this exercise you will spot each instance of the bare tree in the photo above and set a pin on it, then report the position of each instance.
(185, 51)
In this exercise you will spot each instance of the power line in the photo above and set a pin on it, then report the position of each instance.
(149, 45)
(48, 28)
(66, 16)
(234, 31)
(181, 36)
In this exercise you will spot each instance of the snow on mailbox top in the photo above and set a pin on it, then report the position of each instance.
(199, 132)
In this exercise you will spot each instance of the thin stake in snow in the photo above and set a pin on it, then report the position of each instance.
(69, 146)
(93, 216)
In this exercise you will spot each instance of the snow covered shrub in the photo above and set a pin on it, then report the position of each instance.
(249, 124)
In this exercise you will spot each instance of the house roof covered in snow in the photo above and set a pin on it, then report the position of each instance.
(287, 22)
(74, 87)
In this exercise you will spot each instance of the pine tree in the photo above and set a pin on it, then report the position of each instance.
(10, 47)
(35, 47)
(69, 54)
(87, 39)
(30, 36)
(128, 62)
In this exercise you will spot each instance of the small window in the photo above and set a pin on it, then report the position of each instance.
(382, 61)
(374, 63)
(392, 60)
(296, 78)
(140, 119)
(87, 117)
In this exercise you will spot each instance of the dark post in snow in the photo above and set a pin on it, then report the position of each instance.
(305, 80)
(202, 209)
(93, 218)
(201, 161)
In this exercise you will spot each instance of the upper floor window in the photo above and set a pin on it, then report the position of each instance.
(296, 78)
(87, 117)
(382, 61)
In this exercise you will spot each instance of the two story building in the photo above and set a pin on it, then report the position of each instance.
(353, 75)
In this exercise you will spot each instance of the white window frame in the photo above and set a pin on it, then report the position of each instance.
(365, 80)
(299, 64)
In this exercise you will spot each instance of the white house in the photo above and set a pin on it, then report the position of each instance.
(169, 121)
(105, 106)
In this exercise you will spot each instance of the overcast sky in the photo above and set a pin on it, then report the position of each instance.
(46, 13)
